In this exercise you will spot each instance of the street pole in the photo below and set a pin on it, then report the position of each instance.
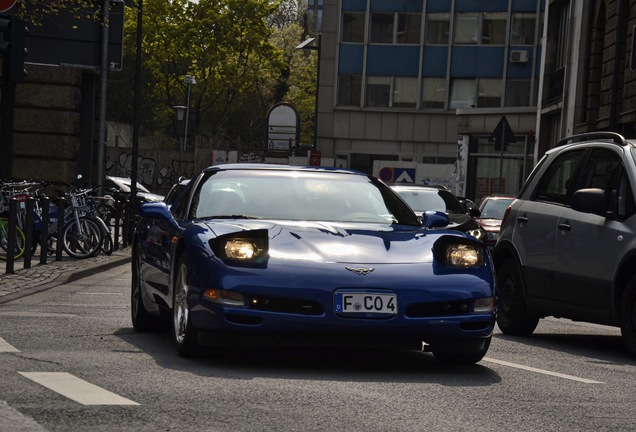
(189, 79)
(101, 141)
(501, 156)
(135, 138)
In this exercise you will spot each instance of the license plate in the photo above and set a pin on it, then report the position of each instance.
(351, 302)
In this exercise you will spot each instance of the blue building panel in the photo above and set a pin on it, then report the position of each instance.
(386, 60)
(354, 5)
(435, 59)
(481, 6)
(526, 5)
(396, 5)
(350, 59)
(477, 62)
(438, 6)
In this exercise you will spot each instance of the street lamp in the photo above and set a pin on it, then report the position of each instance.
(184, 111)
(307, 45)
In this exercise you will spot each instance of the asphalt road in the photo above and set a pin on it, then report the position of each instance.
(70, 361)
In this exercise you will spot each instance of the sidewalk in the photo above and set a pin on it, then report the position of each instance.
(41, 277)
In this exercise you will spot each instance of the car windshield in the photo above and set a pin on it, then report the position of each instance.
(421, 200)
(495, 208)
(298, 195)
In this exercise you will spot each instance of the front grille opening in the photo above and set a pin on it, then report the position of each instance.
(473, 326)
(421, 310)
(282, 305)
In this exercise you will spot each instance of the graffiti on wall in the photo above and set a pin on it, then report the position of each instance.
(149, 172)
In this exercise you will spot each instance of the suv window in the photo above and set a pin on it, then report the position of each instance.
(558, 183)
(600, 170)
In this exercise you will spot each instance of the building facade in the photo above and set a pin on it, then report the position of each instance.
(428, 82)
(588, 80)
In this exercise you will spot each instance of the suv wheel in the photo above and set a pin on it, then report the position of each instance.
(628, 316)
(512, 316)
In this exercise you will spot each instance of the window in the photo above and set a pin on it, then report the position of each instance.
(378, 91)
(600, 170)
(494, 28)
(433, 93)
(463, 93)
(405, 92)
(382, 28)
(558, 183)
(522, 29)
(437, 28)
(409, 28)
(349, 89)
(466, 28)
(353, 27)
(402, 28)
(488, 28)
(489, 93)
(518, 93)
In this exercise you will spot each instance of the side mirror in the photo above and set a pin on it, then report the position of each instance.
(434, 219)
(590, 201)
(157, 210)
(474, 212)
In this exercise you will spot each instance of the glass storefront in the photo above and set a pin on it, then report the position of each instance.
(493, 172)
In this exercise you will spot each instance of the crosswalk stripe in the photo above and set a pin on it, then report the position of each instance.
(76, 388)
(7, 347)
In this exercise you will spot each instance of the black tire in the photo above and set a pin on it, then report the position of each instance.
(628, 316)
(107, 244)
(142, 320)
(463, 358)
(185, 336)
(83, 245)
(512, 313)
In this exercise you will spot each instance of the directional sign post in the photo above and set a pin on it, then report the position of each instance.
(502, 136)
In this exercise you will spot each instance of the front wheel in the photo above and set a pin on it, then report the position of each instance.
(142, 320)
(513, 317)
(628, 316)
(185, 336)
(81, 240)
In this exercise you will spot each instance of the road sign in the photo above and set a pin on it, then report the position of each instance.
(502, 135)
(5, 5)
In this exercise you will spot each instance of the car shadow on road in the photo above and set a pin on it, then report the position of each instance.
(336, 364)
(602, 349)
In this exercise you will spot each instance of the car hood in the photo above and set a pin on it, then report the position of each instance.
(340, 243)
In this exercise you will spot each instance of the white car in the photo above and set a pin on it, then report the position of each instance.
(119, 187)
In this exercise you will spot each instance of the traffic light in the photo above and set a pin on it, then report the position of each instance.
(13, 33)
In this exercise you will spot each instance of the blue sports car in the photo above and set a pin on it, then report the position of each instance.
(253, 254)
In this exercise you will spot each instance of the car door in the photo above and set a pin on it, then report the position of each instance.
(585, 243)
(536, 220)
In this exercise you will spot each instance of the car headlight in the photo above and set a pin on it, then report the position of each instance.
(242, 248)
(478, 233)
(459, 252)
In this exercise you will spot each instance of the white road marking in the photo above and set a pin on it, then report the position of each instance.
(542, 371)
(7, 347)
(76, 389)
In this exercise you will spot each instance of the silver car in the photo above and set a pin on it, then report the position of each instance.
(567, 246)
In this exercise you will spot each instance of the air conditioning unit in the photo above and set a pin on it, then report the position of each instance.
(519, 56)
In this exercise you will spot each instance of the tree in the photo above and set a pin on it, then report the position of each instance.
(224, 44)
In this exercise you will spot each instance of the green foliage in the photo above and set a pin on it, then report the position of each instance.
(241, 53)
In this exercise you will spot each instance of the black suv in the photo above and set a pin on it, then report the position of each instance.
(567, 246)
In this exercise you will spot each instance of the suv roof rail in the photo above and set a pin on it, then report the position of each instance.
(615, 138)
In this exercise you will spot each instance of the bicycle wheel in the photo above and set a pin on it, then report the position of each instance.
(20, 241)
(83, 240)
(107, 244)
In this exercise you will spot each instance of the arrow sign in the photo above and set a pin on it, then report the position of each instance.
(502, 135)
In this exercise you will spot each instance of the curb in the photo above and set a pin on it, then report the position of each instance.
(67, 277)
